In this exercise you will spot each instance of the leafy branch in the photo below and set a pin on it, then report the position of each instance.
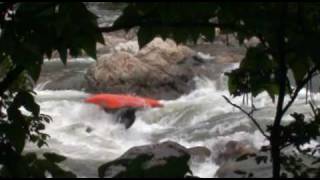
(299, 87)
(249, 114)
(10, 78)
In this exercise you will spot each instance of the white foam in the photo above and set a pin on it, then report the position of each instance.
(205, 56)
(201, 118)
(71, 60)
(130, 46)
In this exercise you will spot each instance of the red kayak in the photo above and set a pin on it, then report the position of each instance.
(114, 101)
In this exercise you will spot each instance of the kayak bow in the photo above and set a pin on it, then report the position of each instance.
(116, 101)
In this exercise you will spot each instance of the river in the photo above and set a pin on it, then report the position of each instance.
(89, 137)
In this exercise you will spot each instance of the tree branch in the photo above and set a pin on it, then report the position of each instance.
(250, 116)
(299, 87)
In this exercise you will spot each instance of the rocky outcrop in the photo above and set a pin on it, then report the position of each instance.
(155, 71)
(167, 159)
(162, 69)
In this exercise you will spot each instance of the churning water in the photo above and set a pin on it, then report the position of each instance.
(89, 136)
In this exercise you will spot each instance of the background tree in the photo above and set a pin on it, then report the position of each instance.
(289, 33)
(30, 31)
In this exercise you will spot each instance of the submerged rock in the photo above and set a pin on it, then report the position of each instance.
(167, 159)
(126, 116)
(199, 153)
(233, 150)
(89, 129)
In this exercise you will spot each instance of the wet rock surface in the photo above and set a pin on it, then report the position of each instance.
(167, 159)
(199, 153)
(232, 167)
(233, 150)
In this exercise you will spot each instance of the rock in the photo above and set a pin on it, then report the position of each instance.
(221, 52)
(161, 69)
(89, 129)
(167, 50)
(199, 153)
(252, 42)
(131, 47)
(118, 41)
(229, 58)
(111, 41)
(263, 169)
(118, 67)
(233, 150)
(126, 116)
(155, 71)
(229, 164)
(248, 166)
(167, 159)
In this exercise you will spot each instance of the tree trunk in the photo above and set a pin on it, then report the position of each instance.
(282, 77)
(275, 152)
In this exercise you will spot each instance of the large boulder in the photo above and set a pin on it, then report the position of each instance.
(157, 70)
(162, 69)
(167, 159)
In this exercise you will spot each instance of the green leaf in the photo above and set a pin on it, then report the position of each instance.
(27, 100)
(49, 54)
(99, 38)
(17, 136)
(30, 157)
(177, 25)
(53, 157)
(90, 48)
(63, 55)
(299, 68)
(54, 170)
(34, 71)
(145, 35)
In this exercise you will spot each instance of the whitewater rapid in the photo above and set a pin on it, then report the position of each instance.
(89, 137)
